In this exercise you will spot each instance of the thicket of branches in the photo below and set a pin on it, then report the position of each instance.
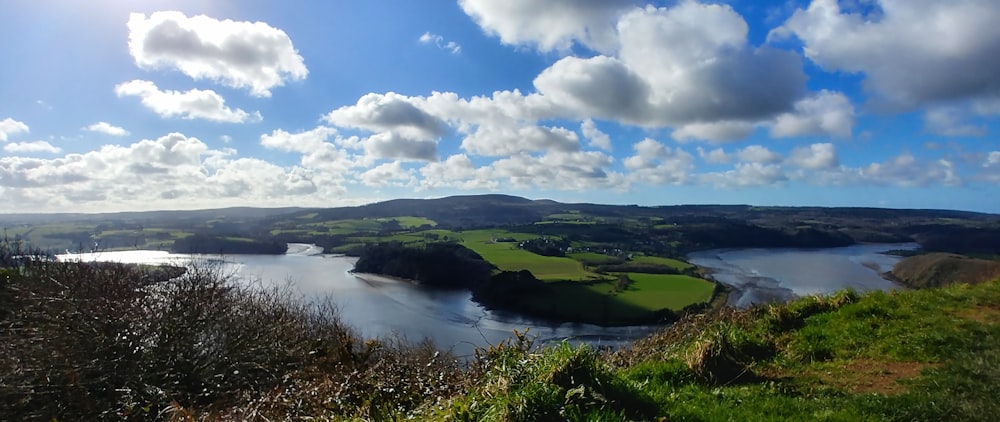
(89, 341)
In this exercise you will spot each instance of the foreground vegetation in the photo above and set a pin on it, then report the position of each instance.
(85, 341)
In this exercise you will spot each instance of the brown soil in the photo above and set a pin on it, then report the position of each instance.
(981, 313)
(865, 376)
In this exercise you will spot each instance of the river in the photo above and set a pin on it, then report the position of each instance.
(384, 307)
(777, 275)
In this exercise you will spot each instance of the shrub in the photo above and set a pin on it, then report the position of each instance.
(97, 341)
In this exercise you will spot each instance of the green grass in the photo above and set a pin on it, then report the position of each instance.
(920, 355)
(666, 262)
(670, 291)
(508, 257)
(411, 222)
(594, 258)
(917, 355)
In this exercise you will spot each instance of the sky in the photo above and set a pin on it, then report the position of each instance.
(116, 105)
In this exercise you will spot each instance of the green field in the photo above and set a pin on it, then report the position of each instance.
(508, 257)
(672, 291)
(666, 262)
(594, 258)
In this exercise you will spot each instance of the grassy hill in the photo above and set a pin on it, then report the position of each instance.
(940, 269)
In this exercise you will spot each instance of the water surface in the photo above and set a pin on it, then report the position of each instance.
(383, 307)
(764, 275)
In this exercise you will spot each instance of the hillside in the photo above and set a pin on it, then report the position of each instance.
(94, 342)
(678, 228)
(941, 269)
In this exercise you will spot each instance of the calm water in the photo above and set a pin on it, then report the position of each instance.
(380, 307)
(774, 275)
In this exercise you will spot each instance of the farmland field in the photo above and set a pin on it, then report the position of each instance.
(508, 257)
(666, 262)
(673, 291)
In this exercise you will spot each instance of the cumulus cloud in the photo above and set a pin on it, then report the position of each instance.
(824, 113)
(457, 171)
(677, 66)
(815, 157)
(600, 86)
(388, 112)
(715, 156)
(549, 25)
(192, 104)
(758, 154)
(594, 136)
(394, 145)
(303, 142)
(10, 127)
(107, 129)
(951, 121)
(439, 41)
(578, 170)
(746, 175)
(387, 174)
(154, 173)
(31, 147)
(911, 53)
(715, 132)
(503, 140)
(657, 164)
(252, 55)
(905, 170)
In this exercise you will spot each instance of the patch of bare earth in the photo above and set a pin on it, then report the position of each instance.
(981, 313)
(865, 376)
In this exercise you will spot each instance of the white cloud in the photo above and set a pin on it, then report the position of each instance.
(394, 145)
(912, 52)
(457, 171)
(758, 154)
(689, 64)
(600, 86)
(594, 136)
(657, 164)
(746, 175)
(715, 156)
(906, 170)
(388, 112)
(387, 174)
(549, 25)
(992, 159)
(10, 127)
(815, 157)
(31, 147)
(951, 121)
(107, 129)
(192, 104)
(990, 171)
(501, 140)
(823, 113)
(303, 142)
(578, 170)
(250, 55)
(439, 41)
(155, 174)
(715, 132)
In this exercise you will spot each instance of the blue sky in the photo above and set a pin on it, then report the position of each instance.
(126, 105)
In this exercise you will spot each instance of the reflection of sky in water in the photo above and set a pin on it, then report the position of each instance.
(381, 307)
(767, 275)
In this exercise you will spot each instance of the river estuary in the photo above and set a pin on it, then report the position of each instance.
(381, 307)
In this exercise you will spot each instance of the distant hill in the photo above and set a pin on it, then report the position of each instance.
(685, 227)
